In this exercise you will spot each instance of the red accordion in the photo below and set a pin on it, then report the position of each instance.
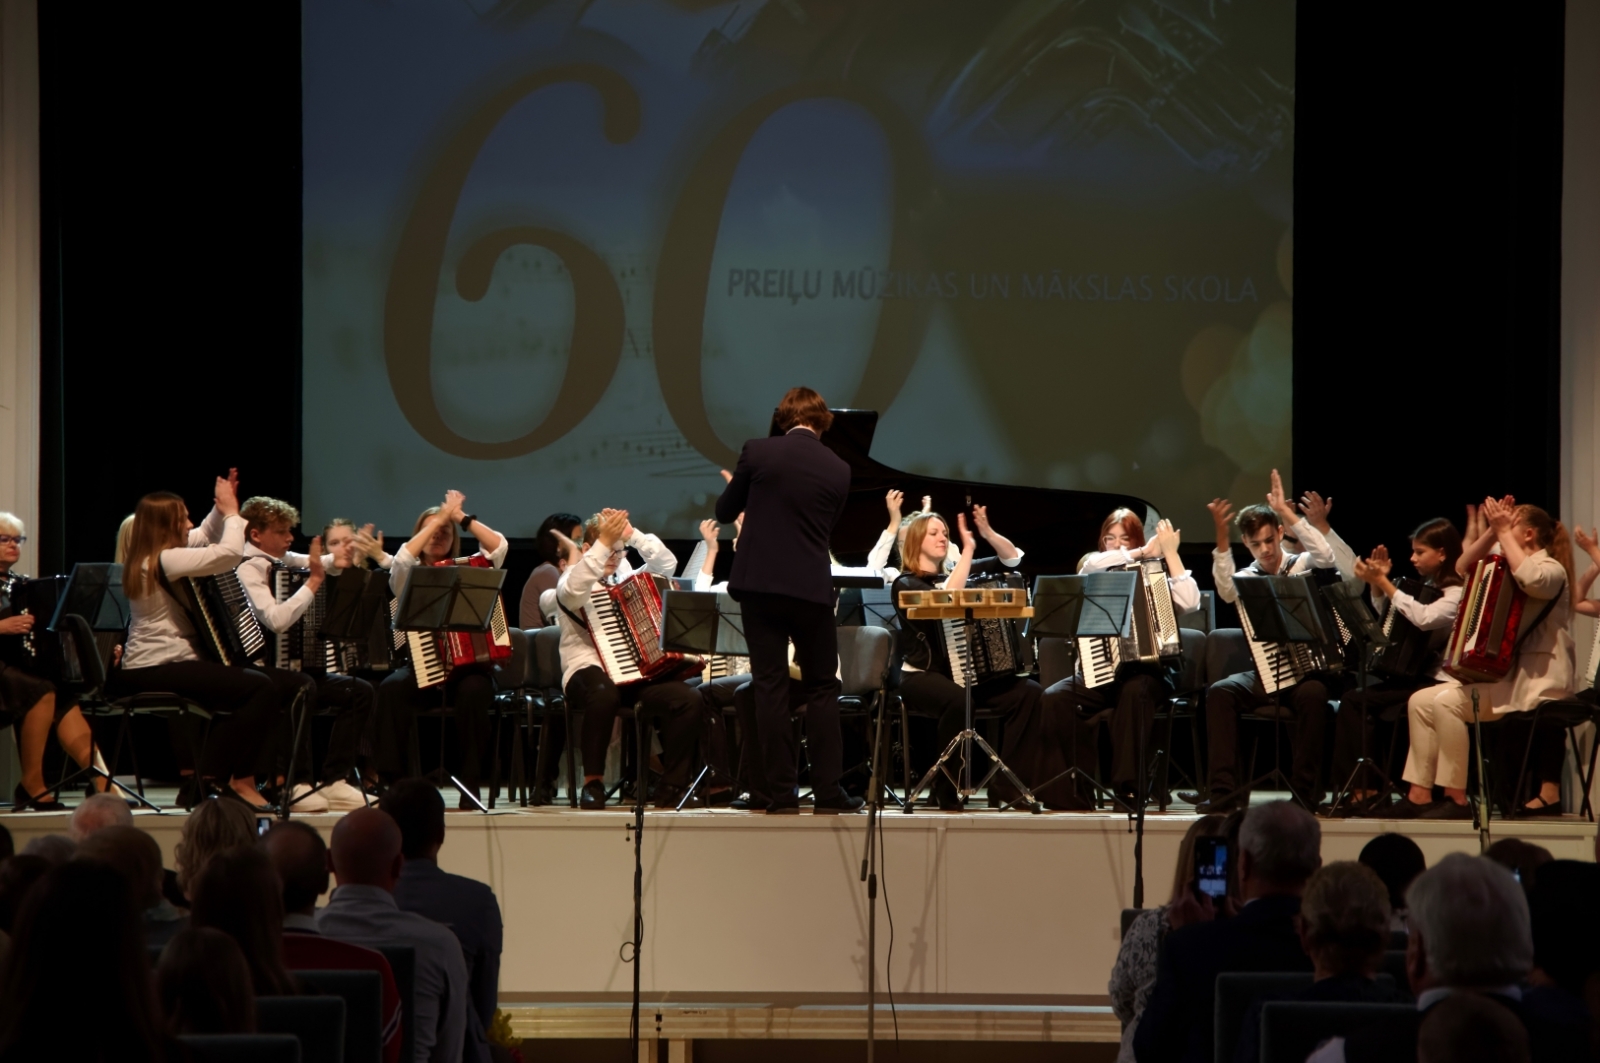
(625, 624)
(1483, 643)
(435, 654)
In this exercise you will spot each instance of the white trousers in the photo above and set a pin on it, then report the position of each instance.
(1440, 716)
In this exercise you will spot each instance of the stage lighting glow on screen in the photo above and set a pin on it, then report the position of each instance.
(564, 256)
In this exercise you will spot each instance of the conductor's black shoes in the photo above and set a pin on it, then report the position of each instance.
(832, 806)
(594, 796)
(784, 806)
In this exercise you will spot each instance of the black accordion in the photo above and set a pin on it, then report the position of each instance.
(301, 648)
(225, 625)
(995, 647)
(1411, 650)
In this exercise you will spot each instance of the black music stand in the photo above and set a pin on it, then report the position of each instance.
(1348, 601)
(704, 623)
(1279, 609)
(449, 598)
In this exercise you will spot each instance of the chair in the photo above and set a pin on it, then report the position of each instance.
(1203, 619)
(242, 1048)
(317, 1022)
(865, 653)
(1237, 990)
(1188, 690)
(545, 700)
(1228, 652)
(403, 963)
(1292, 1029)
(1567, 715)
(362, 993)
(511, 703)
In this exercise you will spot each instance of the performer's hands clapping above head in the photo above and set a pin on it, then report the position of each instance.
(1280, 502)
(969, 545)
(1222, 517)
(894, 500)
(614, 528)
(226, 494)
(1316, 510)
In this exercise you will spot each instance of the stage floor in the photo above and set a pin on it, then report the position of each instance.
(982, 909)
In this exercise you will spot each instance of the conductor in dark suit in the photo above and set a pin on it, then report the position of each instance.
(1280, 847)
(791, 490)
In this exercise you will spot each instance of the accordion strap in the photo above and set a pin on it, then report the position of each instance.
(1522, 636)
(185, 601)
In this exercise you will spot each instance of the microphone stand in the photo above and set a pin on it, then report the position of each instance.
(869, 875)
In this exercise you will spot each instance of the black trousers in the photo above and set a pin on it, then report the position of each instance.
(771, 622)
(252, 698)
(1307, 702)
(470, 694)
(1358, 710)
(352, 699)
(1131, 701)
(1016, 700)
(716, 699)
(674, 707)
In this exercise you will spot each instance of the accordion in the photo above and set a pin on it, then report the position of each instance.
(1483, 643)
(994, 648)
(435, 654)
(39, 651)
(228, 629)
(302, 647)
(624, 621)
(1411, 650)
(1154, 630)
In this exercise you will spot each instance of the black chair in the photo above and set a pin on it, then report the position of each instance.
(865, 653)
(1203, 619)
(1237, 990)
(546, 700)
(1185, 705)
(1567, 715)
(242, 1048)
(1058, 660)
(317, 1022)
(511, 705)
(1292, 1029)
(362, 993)
(1228, 652)
(403, 964)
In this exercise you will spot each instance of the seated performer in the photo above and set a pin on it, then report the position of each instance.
(927, 679)
(28, 695)
(591, 691)
(1262, 528)
(349, 546)
(1540, 556)
(565, 525)
(269, 527)
(469, 690)
(1435, 548)
(162, 653)
(1138, 688)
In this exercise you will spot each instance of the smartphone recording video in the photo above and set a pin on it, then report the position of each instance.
(263, 824)
(1211, 867)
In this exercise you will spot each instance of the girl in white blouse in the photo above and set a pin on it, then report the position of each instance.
(1540, 554)
(162, 653)
(435, 540)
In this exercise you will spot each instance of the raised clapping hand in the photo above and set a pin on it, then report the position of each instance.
(893, 501)
(368, 543)
(570, 551)
(318, 574)
(1375, 569)
(1498, 513)
(1167, 537)
(1589, 544)
(1222, 516)
(969, 545)
(1475, 524)
(225, 494)
(452, 510)
(614, 527)
(980, 517)
(1316, 510)
(1279, 502)
(708, 531)
(727, 477)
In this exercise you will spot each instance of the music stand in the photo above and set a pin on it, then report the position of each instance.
(704, 623)
(94, 592)
(449, 598)
(1349, 604)
(1279, 609)
(969, 604)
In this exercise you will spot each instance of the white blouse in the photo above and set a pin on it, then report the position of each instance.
(159, 631)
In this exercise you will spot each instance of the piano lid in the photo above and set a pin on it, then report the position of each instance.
(1053, 528)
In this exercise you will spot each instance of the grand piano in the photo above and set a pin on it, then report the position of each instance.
(1054, 528)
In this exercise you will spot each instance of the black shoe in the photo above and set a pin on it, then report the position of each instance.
(1188, 797)
(784, 806)
(1543, 808)
(593, 797)
(750, 803)
(720, 799)
(22, 801)
(1446, 809)
(1405, 808)
(832, 806)
(1223, 803)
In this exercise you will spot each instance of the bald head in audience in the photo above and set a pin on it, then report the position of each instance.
(366, 850)
(97, 813)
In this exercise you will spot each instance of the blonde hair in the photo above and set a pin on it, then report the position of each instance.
(215, 826)
(12, 522)
(124, 540)
(911, 552)
(338, 522)
(157, 526)
(1345, 912)
(455, 531)
(262, 513)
